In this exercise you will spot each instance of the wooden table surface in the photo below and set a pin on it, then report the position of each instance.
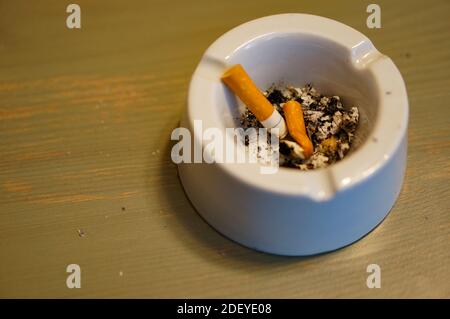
(86, 175)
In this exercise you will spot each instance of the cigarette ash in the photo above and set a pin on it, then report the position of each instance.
(329, 125)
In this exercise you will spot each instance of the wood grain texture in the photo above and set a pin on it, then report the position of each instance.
(85, 123)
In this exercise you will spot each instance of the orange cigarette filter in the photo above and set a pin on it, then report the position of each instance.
(296, 126)
(242, 85)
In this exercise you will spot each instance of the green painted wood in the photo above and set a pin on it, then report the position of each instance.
(85, 120)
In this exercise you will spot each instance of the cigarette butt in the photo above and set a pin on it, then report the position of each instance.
(296, 126)
(242, 85)
(329, 146)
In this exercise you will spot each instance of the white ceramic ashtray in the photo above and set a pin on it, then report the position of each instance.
(294, 212)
